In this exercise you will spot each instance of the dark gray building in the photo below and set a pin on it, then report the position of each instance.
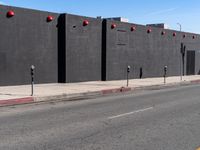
(147, 50)
(27, 38)
(69, 48)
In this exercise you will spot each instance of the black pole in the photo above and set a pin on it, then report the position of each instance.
(165, 74)
(32, 79)
(141, 72)
(127, 79)
(128, 71)
(32, 83)
(183, 65)
(164, 79)
(181, 62)
(183, 57)
(183, 50)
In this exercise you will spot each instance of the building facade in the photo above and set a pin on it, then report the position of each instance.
(68, 48)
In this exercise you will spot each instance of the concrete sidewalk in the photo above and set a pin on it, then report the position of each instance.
(10, 95)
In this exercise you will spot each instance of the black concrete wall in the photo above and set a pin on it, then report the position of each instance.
(27, 39)
(83, 49)
(139, 49)
(65, 50)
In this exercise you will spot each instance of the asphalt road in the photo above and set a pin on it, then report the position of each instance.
(167, 119)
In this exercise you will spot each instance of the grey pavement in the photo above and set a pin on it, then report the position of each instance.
(167, 119)
(45, 91)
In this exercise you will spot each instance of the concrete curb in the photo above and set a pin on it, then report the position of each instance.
(162, 86)
(82, 96)
(116, 90)
(195, 81)
(88, 95)
(17, 101)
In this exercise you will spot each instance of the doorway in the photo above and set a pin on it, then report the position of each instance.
(190, 68)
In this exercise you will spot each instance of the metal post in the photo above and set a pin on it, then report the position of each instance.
(165, 74)
(183, 74)
(181, 69)
(127, 80)
(164, 80)
(32, 79)
(128, 71)
(181, 60)
(184, 49)
(180, 26)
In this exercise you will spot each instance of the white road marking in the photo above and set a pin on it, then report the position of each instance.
(130, 113)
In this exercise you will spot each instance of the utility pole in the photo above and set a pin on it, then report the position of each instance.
(181, 76)
(180, 26)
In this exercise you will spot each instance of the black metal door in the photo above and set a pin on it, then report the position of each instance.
(190, 63)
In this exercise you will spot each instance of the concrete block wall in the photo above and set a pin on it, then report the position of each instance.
(83, 49)
(65, 51)
(27, 39)
(139, 49)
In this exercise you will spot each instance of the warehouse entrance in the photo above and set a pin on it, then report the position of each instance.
(190, 68)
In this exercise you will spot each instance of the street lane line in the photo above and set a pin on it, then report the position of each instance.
(130, 113)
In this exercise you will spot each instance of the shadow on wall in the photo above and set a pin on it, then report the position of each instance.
(141, 72)
(61, 49)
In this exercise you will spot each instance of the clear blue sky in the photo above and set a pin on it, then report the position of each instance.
(171, 12)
